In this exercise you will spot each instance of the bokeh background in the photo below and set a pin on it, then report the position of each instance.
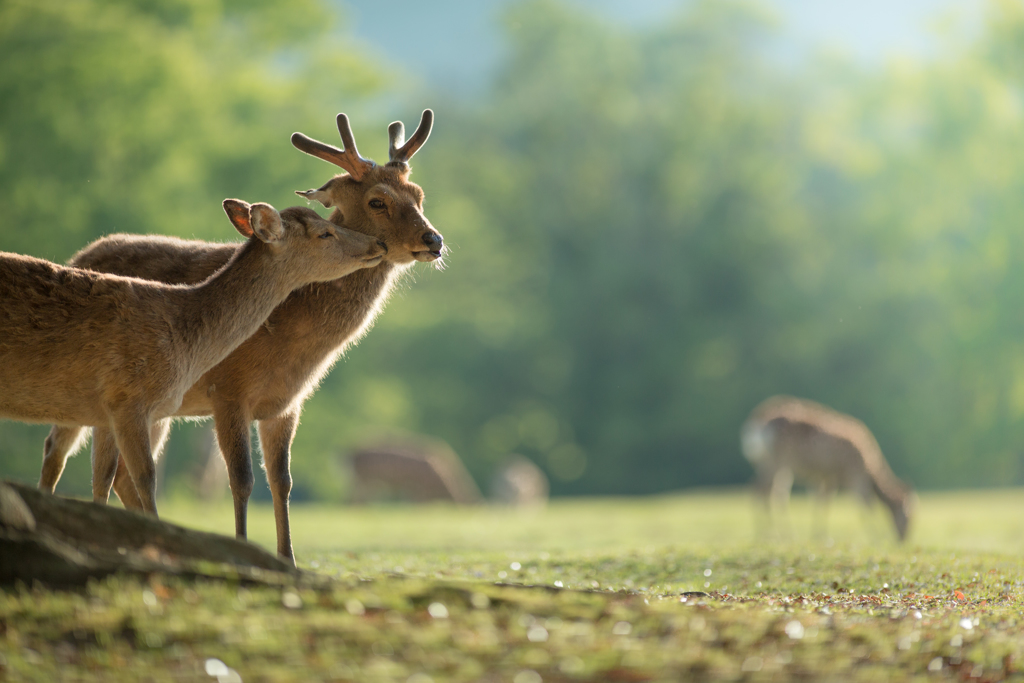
(659, 213)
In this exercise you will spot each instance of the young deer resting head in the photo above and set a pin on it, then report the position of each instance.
(378, 200)
(87, 348)
(302, 241)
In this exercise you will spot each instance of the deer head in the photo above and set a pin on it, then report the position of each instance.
(379, 201)
(299, 235)
(903, 508)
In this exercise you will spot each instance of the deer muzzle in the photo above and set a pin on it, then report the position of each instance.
(433, 246)
(375, 252)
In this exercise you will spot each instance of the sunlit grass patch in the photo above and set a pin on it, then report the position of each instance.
(959, 520)
(662, 589)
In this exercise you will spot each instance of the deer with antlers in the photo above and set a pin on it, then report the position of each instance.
(269, 376)
(788, 438)
(85, 348)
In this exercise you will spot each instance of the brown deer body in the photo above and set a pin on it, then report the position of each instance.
(418, 472)
(271, 374)
(788, 438)
(84, 348)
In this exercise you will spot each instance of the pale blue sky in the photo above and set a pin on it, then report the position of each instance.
(453, 43)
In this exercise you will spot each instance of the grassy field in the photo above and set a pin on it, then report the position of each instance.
(658, 589)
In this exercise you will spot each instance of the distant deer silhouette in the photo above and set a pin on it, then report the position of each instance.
(518, 482)
(86, 348)
(788, 438)
(268, 377)
(417, 471)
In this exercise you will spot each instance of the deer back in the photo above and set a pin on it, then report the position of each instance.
(155, 257)
(72, 336)
(302, 335)
(76, 342)
(817, 444)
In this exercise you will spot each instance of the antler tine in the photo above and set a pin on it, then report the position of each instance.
(347, 159)
(400, 151)
(318, 149)
(347, 138)
(396, 138)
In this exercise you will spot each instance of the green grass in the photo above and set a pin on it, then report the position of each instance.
(586, 590)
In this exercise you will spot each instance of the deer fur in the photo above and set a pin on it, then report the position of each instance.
(85, 348)
(268, 377)
(788, 438)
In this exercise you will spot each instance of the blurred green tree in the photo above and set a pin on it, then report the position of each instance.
(657, 228)
(651, 229)
(629, 230)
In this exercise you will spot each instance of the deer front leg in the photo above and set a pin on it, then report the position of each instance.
(763, 520)
(822, 493)
(781, 488)
(276, 436)
(131, 436)
(232, 424)
(61, 443)
(124, 487)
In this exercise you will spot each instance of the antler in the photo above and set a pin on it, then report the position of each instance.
(400, 151)
(348, 158)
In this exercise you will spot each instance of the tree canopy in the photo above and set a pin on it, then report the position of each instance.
(651, 229)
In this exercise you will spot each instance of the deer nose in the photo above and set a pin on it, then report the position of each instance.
(382, 245)
(432, 240)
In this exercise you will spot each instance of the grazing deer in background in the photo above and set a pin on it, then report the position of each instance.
(788, 438)
(79, 347)
(268, 377)
(419, 471)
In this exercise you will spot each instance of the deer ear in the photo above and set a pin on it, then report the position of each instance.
(238, 214)
(266, 222)
(320, 195)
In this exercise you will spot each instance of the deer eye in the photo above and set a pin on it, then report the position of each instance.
(326, 235)
(376, 204)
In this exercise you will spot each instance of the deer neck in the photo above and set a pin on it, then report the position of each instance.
(342, 310)
(224, 310)
(364, 291)
(887, 489)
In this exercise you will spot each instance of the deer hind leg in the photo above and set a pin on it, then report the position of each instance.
(124, 487)
(233, 439)
(61, 443)
(276, 436)
(131, 436)
(104, 463)
(819, 528)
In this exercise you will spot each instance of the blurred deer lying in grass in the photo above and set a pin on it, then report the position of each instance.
(788, 438)
(419, 471)
(268, 377)
(518, 482)
(85, 348)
